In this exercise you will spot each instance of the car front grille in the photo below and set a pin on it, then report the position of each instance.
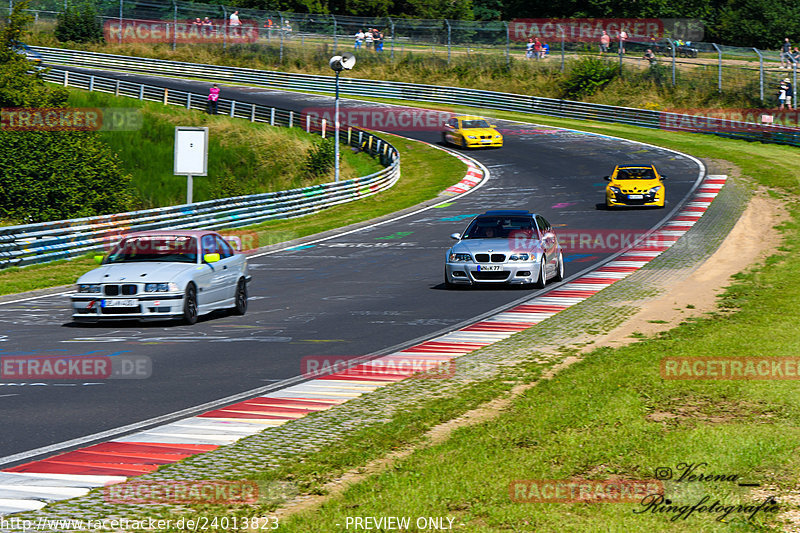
(492, 275)
(486, 258)
(127, 289)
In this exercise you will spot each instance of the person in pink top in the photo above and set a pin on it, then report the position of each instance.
(605, 41)
(213, 97)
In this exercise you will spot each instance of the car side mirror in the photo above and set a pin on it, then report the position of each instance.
(98, 259)
(607, 178)
(211, 258)
(663, 178)
(455, 236)
(492, 126)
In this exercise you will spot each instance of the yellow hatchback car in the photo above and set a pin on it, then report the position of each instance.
(470, 132)
(635, 185)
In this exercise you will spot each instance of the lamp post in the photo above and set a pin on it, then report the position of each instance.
(338, 63)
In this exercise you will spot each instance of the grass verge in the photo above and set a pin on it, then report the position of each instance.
(243, 157)
(425, 173)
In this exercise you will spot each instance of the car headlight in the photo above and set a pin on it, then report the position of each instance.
(518, 257)
(497, 137)
(615, 190)
(161, 287)
(654, 190)
(460, 258)
(92, 288)
(471, 137)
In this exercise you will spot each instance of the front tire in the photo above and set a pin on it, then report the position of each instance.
(240, 299)
(190, 305)
(463, 143)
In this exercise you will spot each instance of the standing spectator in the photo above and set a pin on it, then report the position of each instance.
(359, 38)
(605, 41)
(529, 49)
(287, 29)
(368, 38)
(651, 57)
(789, 92)
(537, 48)
(545, 50)
(208, 26)
(785, 53)
(378, 41)
(782, 94)
(213, 98)
(235, 19)
(796, 55)
(623, 36)
(270, 26)
(197, 22)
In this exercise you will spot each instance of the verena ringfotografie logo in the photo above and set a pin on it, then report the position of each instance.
(381, 117)
(388, 367)
(582, 490)
(168, 31)
(70, 119)
(733, 368)
(77, 367)
(158, 492)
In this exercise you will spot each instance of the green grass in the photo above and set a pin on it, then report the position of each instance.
(426, 172)
(243, 158)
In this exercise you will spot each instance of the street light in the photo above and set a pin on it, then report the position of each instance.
(339, 63)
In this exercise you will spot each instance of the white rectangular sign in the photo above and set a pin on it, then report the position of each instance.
(191, 151)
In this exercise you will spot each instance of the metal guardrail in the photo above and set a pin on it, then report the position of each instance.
(429, 93)
(49, 241)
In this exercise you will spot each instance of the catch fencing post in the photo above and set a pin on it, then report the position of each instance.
(719, 67)
(760, 73)
(672, 46)
(391, 22)
(120, 20)
(448, 40)
(335, 35)
(508, 45)
(224, 27)
(563, 38)
(174, 25)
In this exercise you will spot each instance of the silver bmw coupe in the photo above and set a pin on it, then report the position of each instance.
(158, 275)
(508, 246)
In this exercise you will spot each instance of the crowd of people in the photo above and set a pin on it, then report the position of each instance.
(536, 49)
(371, 39)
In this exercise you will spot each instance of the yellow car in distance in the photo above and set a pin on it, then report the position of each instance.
(635, 185)
(468, 131)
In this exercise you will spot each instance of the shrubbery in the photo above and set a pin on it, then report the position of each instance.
(55, 174)
(80, 24)
(320, 159)
(587, 76)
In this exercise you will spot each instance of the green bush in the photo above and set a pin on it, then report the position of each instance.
(57, 175)
(587, 76)
(320, 159)
(80, 24)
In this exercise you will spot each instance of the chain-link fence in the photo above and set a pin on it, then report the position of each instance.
(680, 59)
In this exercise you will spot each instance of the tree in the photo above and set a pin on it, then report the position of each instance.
(79, 23)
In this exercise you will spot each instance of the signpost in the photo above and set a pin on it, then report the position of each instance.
(191, 155)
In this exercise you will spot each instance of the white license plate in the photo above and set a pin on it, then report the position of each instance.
(486, 141)
(121, 303)
(485, 268)
(635, 197)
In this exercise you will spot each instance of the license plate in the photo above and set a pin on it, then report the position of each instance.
(488, 268)
(635, 197)
(120, 303)
(486, 141)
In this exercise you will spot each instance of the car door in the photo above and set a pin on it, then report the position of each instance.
(212, 274)
(228, 265)
(549, 244)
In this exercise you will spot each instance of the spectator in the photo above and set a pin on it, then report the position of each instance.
(368, 38)
(378, 41)
(796, 55)
(208, 26)
(197, 22)
(529, 49)
(287, 29)
(789, 92)
(359, 38)
(651, 57)
(782, 95)
(545, 50)
(235, 19)
(270, 26)
(605, 41)
(537, 48)
(213, 98)
(785, 53)
(623, 36)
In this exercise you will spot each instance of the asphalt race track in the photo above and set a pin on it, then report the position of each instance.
(355, 294)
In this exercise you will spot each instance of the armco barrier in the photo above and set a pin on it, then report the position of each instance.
(49, 241)
(428, 93)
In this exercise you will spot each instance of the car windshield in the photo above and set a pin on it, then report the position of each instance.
(155, 248)
(635, 174)
(498, 227)
(477, 123)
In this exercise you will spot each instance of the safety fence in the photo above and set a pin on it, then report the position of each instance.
(42, 242)
(731, 126)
